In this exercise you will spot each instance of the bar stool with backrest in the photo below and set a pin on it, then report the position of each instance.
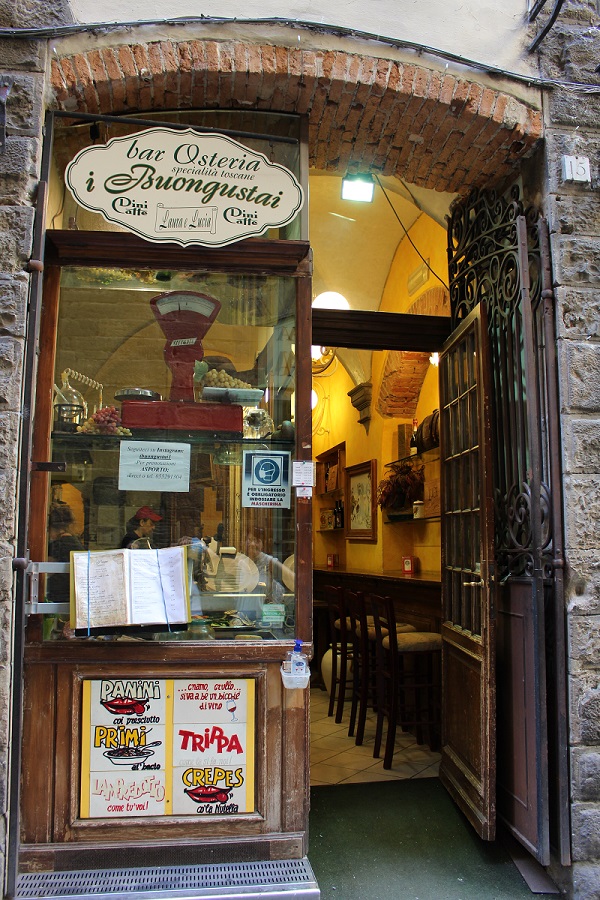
(408, 680)
(341, 648)
(363, 635)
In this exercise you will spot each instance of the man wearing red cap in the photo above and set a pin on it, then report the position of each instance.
(141, 526)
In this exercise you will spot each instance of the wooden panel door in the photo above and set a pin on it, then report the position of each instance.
(468, 764)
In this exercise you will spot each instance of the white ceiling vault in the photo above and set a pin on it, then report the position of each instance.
(354, 243)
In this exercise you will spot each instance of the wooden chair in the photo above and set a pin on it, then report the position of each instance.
(408, 680)
(341, 649)
(363, 634)
(361, 669)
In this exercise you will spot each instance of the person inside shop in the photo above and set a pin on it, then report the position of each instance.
(140, 529)
(270, 570)
(61, 522)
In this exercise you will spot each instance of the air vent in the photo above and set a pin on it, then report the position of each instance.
(273, 879)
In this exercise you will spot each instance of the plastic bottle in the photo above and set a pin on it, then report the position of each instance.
(297, 660)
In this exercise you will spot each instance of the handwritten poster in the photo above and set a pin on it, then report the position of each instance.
(154, 466)
(161, 747)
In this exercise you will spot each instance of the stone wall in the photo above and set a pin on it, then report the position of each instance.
(571, 51)
(25, 63)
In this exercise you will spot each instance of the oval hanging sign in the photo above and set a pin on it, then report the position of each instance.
(184, 187)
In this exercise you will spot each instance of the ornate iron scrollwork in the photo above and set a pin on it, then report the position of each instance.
(485, 255)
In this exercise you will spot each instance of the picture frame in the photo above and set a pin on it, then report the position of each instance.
(360, 518)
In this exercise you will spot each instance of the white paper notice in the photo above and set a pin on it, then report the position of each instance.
(153, 466)
(303, 473)
(100, 589)
(158, 590)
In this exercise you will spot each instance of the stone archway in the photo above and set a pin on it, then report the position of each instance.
(424, 125)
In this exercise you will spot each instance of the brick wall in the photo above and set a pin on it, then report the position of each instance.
(428, 127)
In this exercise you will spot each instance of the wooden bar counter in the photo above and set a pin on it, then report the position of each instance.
(417, 598)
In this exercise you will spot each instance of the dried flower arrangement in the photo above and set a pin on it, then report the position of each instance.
(402, 486)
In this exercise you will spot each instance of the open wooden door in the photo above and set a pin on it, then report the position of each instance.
(468, 764)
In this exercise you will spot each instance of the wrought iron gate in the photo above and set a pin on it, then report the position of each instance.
(498, 256)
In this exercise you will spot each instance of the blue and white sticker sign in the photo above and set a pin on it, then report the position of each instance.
(266, 480)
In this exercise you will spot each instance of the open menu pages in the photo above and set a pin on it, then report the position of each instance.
(129, 587)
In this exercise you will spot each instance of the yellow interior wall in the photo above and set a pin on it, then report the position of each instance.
(339, 423)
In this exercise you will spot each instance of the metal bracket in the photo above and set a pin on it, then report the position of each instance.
(6, 83)
(35, 605)
(48, 466)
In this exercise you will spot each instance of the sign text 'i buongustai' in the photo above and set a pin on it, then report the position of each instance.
(184, 187)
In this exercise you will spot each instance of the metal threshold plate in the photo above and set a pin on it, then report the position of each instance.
(277, 880)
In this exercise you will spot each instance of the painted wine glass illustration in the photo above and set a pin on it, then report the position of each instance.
(231, 706)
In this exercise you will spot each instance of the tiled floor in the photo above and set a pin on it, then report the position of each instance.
(335, 758)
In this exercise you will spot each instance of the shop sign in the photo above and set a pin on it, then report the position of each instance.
(167, 747)
(153, 466)
(184, 187)
(266, 480)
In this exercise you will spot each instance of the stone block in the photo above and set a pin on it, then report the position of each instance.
(19, 171)
(585, 832)
(8, 487)
(584, 703)
(33, 14)
(16, 227)
(585, 882)
(576, 260)
(576, 313)
(5, 630)
(582, 584)
(24, 104)
(569, 52)
(571, 143)
(581, 445)
(575, 208)
(23, 55)
(565, 108)
(13, 304)
(11, 356)
(584, 642)
(585, 768)
(582, 511)
(580, 366)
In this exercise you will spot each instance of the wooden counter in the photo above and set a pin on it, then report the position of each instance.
(417, 598)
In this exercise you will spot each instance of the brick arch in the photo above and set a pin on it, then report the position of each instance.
(404, 370)
(431, 128)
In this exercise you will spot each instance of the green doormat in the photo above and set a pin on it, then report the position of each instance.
(404, 840)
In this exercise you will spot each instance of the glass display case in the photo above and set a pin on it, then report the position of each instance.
(185, 434)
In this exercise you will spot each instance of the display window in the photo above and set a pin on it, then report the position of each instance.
(173, 410)
(167, 411)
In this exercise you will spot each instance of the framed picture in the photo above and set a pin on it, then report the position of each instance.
(360, 518)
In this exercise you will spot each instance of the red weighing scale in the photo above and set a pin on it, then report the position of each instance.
(185, 317)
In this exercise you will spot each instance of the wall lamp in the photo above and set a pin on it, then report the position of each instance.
(358, 187)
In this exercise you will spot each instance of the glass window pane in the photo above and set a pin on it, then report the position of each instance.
(203, 362)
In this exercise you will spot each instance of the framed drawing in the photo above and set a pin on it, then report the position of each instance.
(360, 520)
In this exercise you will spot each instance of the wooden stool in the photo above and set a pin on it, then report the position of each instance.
(408, 680)
(341, 648)
(364, 688)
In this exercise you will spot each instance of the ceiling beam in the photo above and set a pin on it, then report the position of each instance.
(365, 330)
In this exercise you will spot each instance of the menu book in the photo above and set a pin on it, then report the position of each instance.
(113, 588)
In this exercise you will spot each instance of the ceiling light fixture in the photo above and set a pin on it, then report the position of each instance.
(358, 187)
